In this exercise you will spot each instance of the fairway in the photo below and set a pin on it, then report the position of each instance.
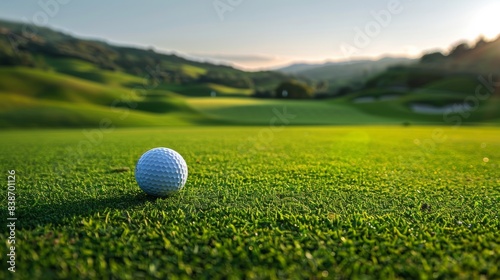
(260, 203)
(260, 111)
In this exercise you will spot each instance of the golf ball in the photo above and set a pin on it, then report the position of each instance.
(161, 171)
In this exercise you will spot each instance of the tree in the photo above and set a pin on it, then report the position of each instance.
(294, 90)
(432, 57)
(459, 50)
(480, 42)
(344, 90)
(262, 93)
(322, 86)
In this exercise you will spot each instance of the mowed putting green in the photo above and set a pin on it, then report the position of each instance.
(260, 203)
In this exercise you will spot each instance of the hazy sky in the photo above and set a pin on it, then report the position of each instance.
(265, 33)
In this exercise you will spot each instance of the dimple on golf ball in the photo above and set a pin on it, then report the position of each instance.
(161, 171)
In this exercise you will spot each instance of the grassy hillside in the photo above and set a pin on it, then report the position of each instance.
(49, 78)
(29, 113)
(88, 71)
(440, 83)
(447, 95)
(457, 71)
(52, 99)
(49, 49)
(457, 84)
(479, 57)
(45, 85)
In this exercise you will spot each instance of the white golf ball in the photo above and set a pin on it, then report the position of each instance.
(161, 171)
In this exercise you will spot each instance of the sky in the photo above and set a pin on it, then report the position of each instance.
(264, 34)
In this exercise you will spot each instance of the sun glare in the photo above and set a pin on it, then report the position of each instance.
(485, 22)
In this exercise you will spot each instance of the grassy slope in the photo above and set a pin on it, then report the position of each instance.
(466, 85)
(52, 99)
(37, 113)
(295, 203)
(482, 60)
(88, 71)
(446, 91)
(58, 87)
(193, 71)
(451, 81)
(52, 43)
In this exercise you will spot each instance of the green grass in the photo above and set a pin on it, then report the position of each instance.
(205, 90)
(52, 99)
(60, 114)
(486, 112)
(338, 111)
(45, 85)
(376, 93)
(193, 71)
(262, 111)
(398, 107)
(88, 71)
(465, 85)
(293, 202)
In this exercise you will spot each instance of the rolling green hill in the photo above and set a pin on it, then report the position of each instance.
(51, 79)
(51, 99)
(55, 80)
(55, 86)
(480, 57)
(33, 46)
(443, 82)
(457, 71)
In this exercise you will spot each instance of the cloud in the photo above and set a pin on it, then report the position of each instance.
(244, 58)
(236, 58)
(244, 62)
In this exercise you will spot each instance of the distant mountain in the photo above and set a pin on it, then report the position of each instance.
(297, 68)
(300, 67)
(331, 71)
